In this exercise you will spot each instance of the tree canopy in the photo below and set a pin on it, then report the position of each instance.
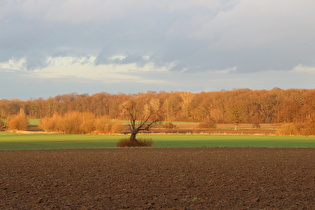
(234, 106)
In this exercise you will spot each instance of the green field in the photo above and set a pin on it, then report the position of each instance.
(34, 121)
(16, 141)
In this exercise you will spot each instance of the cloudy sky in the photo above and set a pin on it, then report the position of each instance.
(51, 47)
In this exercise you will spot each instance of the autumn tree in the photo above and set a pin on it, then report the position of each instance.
(1, 124)
(140, 116)
(235, 114)
(187, 98)
(258, 106)
(171, 106)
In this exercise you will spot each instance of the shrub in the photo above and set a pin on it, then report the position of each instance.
(256, 125)
(17, 122)
(208, 124)
(87, 122)
(305, 129)
(77, 123)
(169, 125)
(137, 143)
(308, 129)
(49, 124)
(70, 123)
(288, 129)
(105, 125)
(80, 123)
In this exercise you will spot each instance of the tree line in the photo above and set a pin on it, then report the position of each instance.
(234, 106)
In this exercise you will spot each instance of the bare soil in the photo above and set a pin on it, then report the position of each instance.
(144, 178)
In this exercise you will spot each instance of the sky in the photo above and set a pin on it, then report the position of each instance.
(53, 47)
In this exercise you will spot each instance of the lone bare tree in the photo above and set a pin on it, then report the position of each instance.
(141, 117)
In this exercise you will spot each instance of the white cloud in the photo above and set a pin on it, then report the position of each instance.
(84, 68)
(303, 69)
(225, 71)
(14, 64)
(118, 57)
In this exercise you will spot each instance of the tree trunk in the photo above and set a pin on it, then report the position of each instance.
(133, 136)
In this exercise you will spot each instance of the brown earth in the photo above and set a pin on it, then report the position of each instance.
(175, 178)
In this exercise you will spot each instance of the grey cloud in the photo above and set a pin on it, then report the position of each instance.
(165, 36)
(35, 61)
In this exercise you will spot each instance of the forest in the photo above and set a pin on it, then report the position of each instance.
(233, 106)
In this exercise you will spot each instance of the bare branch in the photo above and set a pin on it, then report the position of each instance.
(140, 118)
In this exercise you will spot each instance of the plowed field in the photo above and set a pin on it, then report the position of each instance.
(176, 178)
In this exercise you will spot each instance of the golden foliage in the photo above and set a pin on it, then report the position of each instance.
(50, 124)
(80, 123)
(288, 129)
(293, 129)
(106, 125)
(17, 122)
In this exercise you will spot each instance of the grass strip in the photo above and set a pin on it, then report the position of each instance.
(17, 141)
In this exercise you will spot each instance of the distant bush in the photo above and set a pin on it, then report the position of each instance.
(288, 129)
(169, 125)
(208, 124)
(17, 122)
(77, 123)
(105, 125)
(305, 129)
(308, 129)
(138, 143)
(80, 123)
(87, 122)
(70, 123)
(50, 124)
(256, 125)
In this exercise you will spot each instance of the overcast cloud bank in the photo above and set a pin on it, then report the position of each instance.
(54, 47)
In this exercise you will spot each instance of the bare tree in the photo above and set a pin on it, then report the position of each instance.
(141, 117)
(187, 98)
